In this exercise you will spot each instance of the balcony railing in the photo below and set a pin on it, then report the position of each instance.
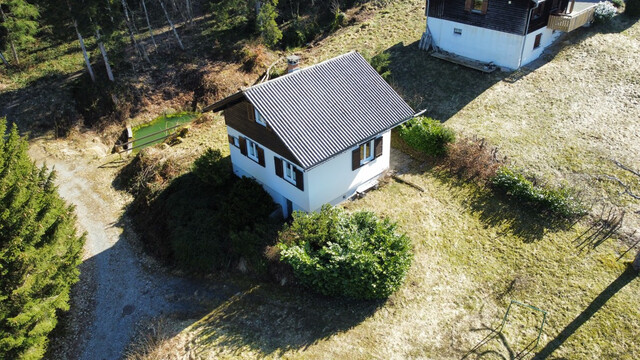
(570, 22)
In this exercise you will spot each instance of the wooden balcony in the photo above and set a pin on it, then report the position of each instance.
(577, 18)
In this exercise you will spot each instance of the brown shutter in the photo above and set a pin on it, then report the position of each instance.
(467, 5)
(355, 159)
(299, 179)
(278, 163)
(378, 147)
(485, 5)
(243, 145)
(250, 113)
(231, 140)
(260, 156)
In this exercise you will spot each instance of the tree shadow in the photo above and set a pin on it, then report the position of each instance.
(274, 320)
(625, 278)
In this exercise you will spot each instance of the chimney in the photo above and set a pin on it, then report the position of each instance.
(293, 63)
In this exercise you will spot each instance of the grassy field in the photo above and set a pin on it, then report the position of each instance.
(564, 118)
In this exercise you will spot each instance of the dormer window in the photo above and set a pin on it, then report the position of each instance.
(260, 119)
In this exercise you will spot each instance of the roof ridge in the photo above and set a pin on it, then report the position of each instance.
(289, 75)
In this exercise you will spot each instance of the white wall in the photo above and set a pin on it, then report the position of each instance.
(334, 181)
(486, 45)
(330, 182)
(548, 37)
(279, 188)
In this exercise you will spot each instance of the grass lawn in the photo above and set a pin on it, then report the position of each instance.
(564, 121)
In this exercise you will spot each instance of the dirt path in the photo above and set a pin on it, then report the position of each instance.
(118, 289)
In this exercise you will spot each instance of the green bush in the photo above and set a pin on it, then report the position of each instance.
(212, 169)
(381, 63)
(337, 254)
(632, 8)
(202, 228)
(427, 135)
(561, 201)
(39, 251)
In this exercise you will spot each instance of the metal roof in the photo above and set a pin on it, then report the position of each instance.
(323, 110)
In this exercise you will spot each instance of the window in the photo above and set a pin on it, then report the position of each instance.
(366, 152)
(289, 174)
(260, 119)
(457, 31)
(536, 43)
(476, 6)
(539, 11)
(233, 140)
(252, 150)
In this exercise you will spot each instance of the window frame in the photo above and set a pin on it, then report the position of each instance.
(287, 166)
(236, 141)
(364, 158)
(259, 119)
(252, 147)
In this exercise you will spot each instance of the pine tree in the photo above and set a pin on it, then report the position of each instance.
(39, 251)
(267, 25)
(19, 20)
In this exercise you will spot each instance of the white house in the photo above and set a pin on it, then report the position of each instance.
(316, 135)
(507, 33)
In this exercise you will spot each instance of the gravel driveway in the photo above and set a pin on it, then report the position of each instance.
(118, 290)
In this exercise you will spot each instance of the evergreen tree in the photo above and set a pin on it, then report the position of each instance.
(267, 25)
(39, 251)
(19, 20)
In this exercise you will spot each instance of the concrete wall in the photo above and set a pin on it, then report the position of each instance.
(503, 49)
(333, 181)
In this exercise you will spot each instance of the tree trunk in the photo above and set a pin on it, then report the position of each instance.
(171, 23)
(4, 60)
(139, 49)
(146, 15)
(15, 53)
(177, 8)
(636, 262)
(84, 51)
(189, 12)
(104, 56)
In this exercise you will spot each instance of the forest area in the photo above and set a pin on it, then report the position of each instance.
(135, 53)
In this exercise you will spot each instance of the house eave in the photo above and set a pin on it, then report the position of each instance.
(226, 102)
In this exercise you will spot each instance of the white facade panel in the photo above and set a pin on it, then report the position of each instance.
(279, 188)
(503, 49)
(333, 181)
(548, 37)
(486, 45)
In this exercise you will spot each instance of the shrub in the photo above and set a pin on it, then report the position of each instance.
(632, 8)
(427, 135)
(604, 11)
(561, 201)
(337, 254)
(39, 251)
(381, 63)
(473, 158)
(212, 169)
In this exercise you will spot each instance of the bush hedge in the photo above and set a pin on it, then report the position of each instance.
(427, 135)
(338, 254)
(208, 219)
(561, 201)
(39, 251)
